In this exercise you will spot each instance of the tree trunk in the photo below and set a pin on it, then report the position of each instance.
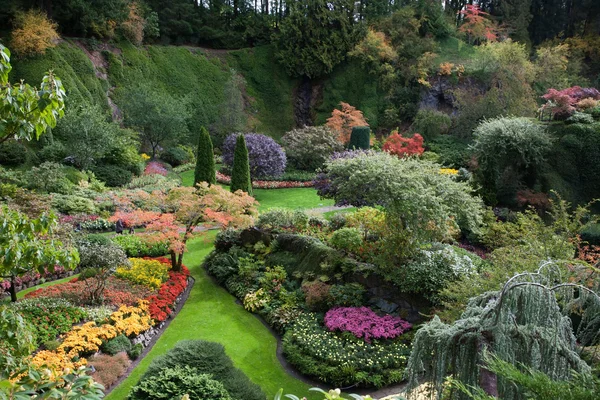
(13, 290)
(174, 266)
(488, 381)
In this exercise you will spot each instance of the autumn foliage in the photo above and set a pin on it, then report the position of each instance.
(33, 33)
(477, 26)
(404, 146)
(342, 121)
(563, 103)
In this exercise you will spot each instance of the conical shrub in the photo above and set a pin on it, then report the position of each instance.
(205, 162)
(240, 176)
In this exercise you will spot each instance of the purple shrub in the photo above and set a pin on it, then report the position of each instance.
(267, 158)
(362, 322)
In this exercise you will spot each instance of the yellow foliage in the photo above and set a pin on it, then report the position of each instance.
(133, 27)
(131, 320)
(33, 33)
(448, 171)
(150, 273)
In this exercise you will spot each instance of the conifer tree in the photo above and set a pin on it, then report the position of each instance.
(205, 161)
(240, 176)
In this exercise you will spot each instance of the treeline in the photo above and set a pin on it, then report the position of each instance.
(242, 23)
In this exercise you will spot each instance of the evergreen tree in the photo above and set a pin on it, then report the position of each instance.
(205, 161)
(240, 176)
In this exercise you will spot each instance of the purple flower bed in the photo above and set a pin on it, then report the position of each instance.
(32, 276)
(362, 322)
(155, 168)
(267, 158)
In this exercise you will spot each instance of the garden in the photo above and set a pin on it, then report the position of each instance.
(371, 202)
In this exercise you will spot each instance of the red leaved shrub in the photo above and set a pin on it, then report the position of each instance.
(108, 369)
(401, 146)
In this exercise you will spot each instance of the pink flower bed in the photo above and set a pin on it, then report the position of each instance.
(155, 168)
(362, 322)
(226, 180)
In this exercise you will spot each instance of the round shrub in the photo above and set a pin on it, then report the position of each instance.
(348, 295)
(12, 153)
(69, 204)
(112, 175)
(175, 382)
(283, 218)
(117, 345)
(580, 118)
(348, 239)
(308, 148)
(54, 152)
(207, 358)
(360, 138)
(431, 123)
(267, 158)
(175, 156)
(224, 265)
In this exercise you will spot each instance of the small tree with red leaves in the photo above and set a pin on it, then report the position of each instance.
(404, 146)
(342, 121)
(477, 26)
(563, 103)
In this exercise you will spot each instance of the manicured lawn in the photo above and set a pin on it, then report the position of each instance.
(295, 198)
(22, 293)
(211, 313)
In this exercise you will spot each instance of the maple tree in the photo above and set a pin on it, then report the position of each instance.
(404, 146)
(34, 33)
(563, 103)
(342, 121)
(477, 26)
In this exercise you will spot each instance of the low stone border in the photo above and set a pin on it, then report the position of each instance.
(149, 338)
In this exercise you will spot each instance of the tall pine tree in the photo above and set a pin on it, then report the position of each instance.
(205, 161)
(240, 176)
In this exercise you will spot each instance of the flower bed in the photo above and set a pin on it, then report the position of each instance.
(226, 180)
(34, 278)
(363, 323)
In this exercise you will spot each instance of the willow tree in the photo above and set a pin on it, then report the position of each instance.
(526, 323)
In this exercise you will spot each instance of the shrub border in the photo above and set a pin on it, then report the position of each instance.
(226, 180)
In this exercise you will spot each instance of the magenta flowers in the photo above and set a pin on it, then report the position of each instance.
(362, 322)
(155, 168)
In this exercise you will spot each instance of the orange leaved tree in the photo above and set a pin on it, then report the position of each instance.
(200, 207)
(342, 121)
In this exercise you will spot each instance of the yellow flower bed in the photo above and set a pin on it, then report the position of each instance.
(88, 338)
(150, 273)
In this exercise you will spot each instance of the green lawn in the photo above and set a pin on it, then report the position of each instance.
(211, 313)
(22, 293)
(296, 198)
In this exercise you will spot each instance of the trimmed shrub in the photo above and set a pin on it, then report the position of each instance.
(308, 148)
(205, 160)
(117, 345)
(265, 156)
(347, 239)
(360, 138)
(207, 358)
(240, 176)
(175, 156)
(108, 369)
(141, 245)
(283, 218)
(112, 175)
(70, 205)
(431, 123)
(175, 382)
(12, 153)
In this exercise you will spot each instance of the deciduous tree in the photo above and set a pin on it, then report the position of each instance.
(342, 121)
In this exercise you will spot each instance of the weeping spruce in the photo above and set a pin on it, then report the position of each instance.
(240, 175)
(205, 162)
(525, 323)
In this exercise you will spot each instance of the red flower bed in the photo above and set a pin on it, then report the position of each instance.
(226, 180)
(161, 303)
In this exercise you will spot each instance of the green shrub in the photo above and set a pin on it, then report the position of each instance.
(337, 221)
(347, 239)
(591, 234)
(224, 265)
(207, 358)
(136, 351)
(348, 295)
(112, 175)
(71, 205)
(580, 118)
(226, 239)
(431, 123)
(311, 254)
(240, 174)
(309, 147)
(283, 218)
(117, 345)
(452, 152)
(175, 156)
(141, 246)
(205, 170)
(51, 345)
(96, 238)
(360, 138)
(99, 224)
(12, 153)
(50, 178)
(175, 382)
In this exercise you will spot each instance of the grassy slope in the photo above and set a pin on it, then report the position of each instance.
(296, 198)
(269, 88)
(211, 313)
(72, 66)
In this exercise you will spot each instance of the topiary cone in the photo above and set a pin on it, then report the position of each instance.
(240, 176)
(205, 161)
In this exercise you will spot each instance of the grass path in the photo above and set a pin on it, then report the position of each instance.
(211, 313)
(22, 293)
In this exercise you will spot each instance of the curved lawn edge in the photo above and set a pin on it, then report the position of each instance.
(211, 313)
(163, 329)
